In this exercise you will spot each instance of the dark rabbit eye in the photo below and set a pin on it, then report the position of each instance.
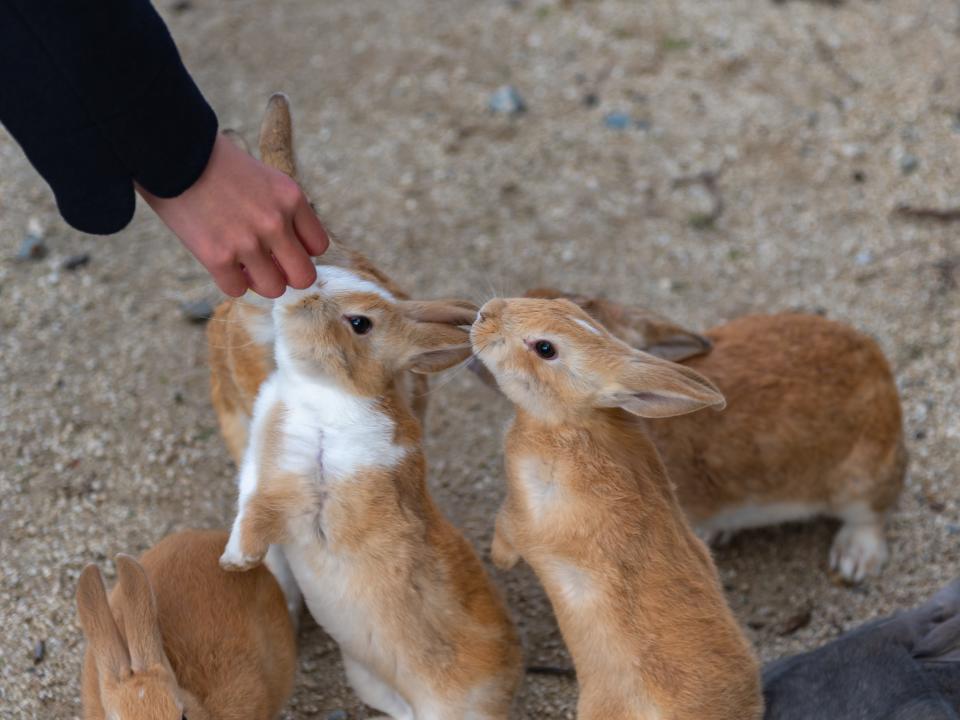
(361, 325)
(545, 349)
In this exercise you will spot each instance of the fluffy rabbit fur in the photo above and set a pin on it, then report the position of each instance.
(181, 638)
(590, 508)
(240, 333)
(335, 474)
(812, 426)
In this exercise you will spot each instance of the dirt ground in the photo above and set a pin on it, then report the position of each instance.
(812, 123)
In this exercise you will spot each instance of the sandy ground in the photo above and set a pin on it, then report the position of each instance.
(815, 120)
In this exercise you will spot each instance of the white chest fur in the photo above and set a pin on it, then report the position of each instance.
(332, 434)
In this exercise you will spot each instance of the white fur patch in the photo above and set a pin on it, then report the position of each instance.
(574, 584)
(328, 430)
(338, 281)
(540, 492)
(586, 326)
(750, 515)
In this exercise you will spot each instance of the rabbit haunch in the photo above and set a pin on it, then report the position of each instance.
(335, 475)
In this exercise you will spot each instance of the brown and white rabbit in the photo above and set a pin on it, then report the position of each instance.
(181, 638)
(812, 425)
(240, 333)
(590, 508)
(335, 475)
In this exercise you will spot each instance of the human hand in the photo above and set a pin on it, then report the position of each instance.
(249, 225)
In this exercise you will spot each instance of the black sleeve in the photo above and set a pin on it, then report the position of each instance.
(97, 96)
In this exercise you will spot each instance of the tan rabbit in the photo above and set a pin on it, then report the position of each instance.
(240, 333)
(335, 474)
(812, 426)
(590, 507)
(181, 638)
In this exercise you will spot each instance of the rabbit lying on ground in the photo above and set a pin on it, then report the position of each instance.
(335, 474)
(240, 334)
(904, 667)
(590, 508)
(181, 638)
(812, 425)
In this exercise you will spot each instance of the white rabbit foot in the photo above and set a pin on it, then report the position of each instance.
(234, 560)
(858, 551)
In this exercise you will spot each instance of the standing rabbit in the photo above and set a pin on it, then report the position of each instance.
(590, 508)
(812, 426)
(181, 638)
(240, 333)
(335, 474)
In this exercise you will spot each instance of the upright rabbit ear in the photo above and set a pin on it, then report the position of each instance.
(138, 609)
(276, 136)
(654, 388)
(96, 619)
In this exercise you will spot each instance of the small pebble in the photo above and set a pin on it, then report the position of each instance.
(507, 100)
(39, 652)
(197, 311)
(338, 715)
(909, 163)
(617, 120)
(32, 248)
(591, 100)
(76, 261)
(953, 529)
(864, 257)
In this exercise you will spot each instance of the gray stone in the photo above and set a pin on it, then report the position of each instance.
(506, 99)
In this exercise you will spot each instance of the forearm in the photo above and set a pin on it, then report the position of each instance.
(98, 97)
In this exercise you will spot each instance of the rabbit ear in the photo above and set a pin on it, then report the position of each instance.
(654, 388)
(276, 136)
(436, 347)
(447, 312)
(138, 609)
(96, 619)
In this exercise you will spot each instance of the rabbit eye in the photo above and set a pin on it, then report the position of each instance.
(361, 325)
(545, 349)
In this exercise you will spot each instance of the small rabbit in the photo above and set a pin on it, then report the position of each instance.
(240, 333)
(903, 667)
(590, 508)
(812, 426)
(181, 638)
(335, 474)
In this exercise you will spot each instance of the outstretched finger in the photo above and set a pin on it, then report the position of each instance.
(231, 280)
(309, 229)
(295, 263)
(266, 279)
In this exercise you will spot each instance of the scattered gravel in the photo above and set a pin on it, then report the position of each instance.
(803, 106)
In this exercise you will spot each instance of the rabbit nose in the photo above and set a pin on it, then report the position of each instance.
(491, 308)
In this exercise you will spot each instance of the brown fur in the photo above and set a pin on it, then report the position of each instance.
(190, 637)
(813, 416)
(590, 508)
